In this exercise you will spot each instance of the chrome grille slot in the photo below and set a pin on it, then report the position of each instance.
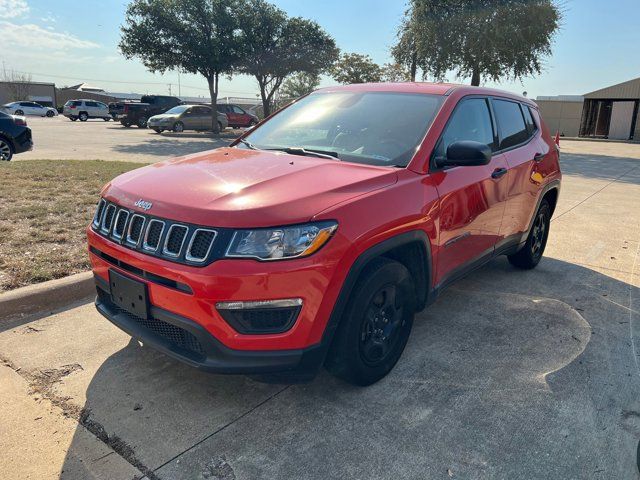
(136, 226)
(120, 224)
(200, 245)
(176, 236)
(97, 218)
(107, 220)
(153, 235)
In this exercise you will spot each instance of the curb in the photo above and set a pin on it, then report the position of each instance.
(46, 296)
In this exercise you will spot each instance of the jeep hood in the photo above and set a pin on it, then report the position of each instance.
(232, 187)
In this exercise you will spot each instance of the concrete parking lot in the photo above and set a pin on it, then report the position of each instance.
(60, 138)
(509, 375)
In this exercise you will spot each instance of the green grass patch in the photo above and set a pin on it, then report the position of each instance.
(45, 206)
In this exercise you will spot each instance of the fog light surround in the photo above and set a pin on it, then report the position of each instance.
(261, 316)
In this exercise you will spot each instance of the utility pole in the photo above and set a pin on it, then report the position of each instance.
(179, 89)
(169, 89)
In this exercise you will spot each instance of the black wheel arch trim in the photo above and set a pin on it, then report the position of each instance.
(552, 185)
(423, 287)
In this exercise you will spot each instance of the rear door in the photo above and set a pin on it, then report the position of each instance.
(472, 201)
(92, 109)
(524, 151)
(204, 117)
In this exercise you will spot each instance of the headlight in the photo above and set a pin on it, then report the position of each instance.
(282, 242)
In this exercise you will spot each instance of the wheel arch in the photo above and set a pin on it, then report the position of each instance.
(402, 248)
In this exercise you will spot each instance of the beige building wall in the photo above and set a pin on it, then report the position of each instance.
(44, 93)
(561, 116)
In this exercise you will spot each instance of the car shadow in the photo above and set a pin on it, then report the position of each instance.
(508, 374)
(163, 147)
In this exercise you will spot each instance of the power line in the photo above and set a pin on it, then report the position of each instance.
(65, 77)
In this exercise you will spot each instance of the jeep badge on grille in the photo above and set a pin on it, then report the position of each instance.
(143, 204)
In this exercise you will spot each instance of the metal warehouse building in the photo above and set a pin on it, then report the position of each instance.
(611, 112)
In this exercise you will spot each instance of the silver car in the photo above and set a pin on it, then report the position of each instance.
(83, 110)
(186, 117)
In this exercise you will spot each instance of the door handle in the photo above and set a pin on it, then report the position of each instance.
(498, 172)
(538, 157)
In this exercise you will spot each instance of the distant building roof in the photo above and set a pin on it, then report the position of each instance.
(560, 98)
(625, 90)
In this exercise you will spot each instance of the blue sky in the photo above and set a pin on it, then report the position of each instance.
(68, 41)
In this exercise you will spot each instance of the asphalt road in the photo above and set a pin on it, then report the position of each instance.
(509, 375)
(60, 138)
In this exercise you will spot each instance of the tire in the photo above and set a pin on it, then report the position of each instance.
(106, 119)
(50, 113)
(529, 256)
(6, 150)
(19, 112)
(253, 123)
(375, 325)
(83, 117)
(157, 130)
(178, 127)
(142, 122)
(73, 119)
(126, 125)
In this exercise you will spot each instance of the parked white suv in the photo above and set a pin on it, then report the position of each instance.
(29, 108)
(83, 110)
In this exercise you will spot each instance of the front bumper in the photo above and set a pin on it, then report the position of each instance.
(189, 342)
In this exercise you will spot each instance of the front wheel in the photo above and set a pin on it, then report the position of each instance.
(106, 119)
(19, 112)
(50, 113)
(529, 256)
(178, 127)
(376, 324)
(6, 150)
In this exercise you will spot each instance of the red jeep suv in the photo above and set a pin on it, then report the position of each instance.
(315, 238)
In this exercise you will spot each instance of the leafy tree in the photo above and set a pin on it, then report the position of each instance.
(356, 68)
(194, 36)
(394, 72)
(490, 39)
(299, 84)
(404, 51)
(18, 84)
(276, 46)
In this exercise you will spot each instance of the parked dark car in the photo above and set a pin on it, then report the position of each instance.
(237, 116)
(137, 113)
(15, 136)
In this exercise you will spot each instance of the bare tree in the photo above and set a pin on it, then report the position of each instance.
(18, 84)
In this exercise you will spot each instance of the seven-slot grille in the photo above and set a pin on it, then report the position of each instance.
(154, 236)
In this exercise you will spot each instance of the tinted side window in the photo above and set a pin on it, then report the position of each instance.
(471, 120)
(76, 103)
(202, 110)
(511, 123)
(528, 119)
(237, 110)
(91, 104)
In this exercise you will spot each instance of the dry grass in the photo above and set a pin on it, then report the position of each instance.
(45, 206)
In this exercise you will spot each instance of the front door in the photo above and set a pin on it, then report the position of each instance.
(472, 199)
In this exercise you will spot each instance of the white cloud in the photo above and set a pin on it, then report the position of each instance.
(34, 36)
(13, 8)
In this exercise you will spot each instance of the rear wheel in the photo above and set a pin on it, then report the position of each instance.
(376, 324)
(83, 117)
(73, 119)
(126, 124)
(178, 127)
(157, 130)
(529, 256)
(142, 122)
(106, 119)
(6, 150)
(19, 112)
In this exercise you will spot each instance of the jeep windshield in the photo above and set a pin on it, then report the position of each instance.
(375, 128)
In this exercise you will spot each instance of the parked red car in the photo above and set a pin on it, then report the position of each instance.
(238, 116)
(315, 238)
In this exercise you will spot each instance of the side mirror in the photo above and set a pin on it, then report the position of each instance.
(465, 153)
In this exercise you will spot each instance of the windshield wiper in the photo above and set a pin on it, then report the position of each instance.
(309, 152)
(248, 144)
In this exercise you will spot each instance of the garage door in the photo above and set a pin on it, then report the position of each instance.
(621, 115)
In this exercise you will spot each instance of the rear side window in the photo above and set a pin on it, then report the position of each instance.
(237, 110)
(528, 119)
(511, 122)
(76, 103)
(91, 104)
(470, 120)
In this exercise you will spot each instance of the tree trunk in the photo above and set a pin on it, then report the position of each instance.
(266, 103)
(213, 91)
(475, 76)
(414, 65)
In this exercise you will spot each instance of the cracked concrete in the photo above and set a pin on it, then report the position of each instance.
(509, 374)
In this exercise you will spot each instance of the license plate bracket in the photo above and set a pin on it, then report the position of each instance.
(129, 294)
